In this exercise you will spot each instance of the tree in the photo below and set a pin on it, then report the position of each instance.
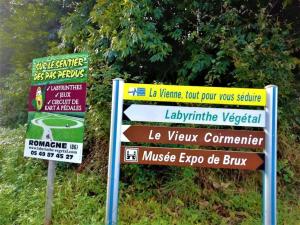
(227, 43)
(28, 29)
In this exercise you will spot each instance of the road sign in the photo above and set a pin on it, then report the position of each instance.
(266, 119)
(195, 94)
(196, 115)
(192, 157)
(193, 136)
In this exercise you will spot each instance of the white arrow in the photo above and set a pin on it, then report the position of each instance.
(123, 137)
(196, 115)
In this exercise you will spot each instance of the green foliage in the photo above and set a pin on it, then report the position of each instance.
(285, 172)
(27, 30)
(13, 99)
(216, 43)
(144, 179)
(181, 187)
(80, 198)
(17, 182)
(184, 42)
(220, 43)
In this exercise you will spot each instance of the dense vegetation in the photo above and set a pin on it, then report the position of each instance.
(215, 43)
(80, 197)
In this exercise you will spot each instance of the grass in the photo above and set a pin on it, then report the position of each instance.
(67, 134)
(34, 132)
(58, 122)
(71, 135)
(80, 198)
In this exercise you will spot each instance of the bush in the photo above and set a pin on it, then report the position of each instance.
(13, 99)
(189, 42)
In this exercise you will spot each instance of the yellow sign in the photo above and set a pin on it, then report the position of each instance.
(195, 94)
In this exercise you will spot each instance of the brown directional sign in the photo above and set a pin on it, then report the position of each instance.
(193, 136)
(192, 157)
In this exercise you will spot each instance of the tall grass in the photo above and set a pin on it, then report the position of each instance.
(180, 199)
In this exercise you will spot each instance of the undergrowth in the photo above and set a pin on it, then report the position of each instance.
(182, 198)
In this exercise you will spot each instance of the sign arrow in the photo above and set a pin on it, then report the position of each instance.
(196, 115)
(192, 157)
(193, 136)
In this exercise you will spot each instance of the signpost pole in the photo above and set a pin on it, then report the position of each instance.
(114, 153)
(269, 179)
(50, 190)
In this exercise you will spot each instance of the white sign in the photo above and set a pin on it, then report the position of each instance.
(196, 115)
(53, 150)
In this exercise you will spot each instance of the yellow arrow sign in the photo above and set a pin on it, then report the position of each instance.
(195, 94)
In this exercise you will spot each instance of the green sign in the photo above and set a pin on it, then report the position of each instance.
(56, 108)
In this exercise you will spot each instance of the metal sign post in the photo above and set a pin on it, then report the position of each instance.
(114, 153)
(266, 119)
(269, 174)
(50, 190)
